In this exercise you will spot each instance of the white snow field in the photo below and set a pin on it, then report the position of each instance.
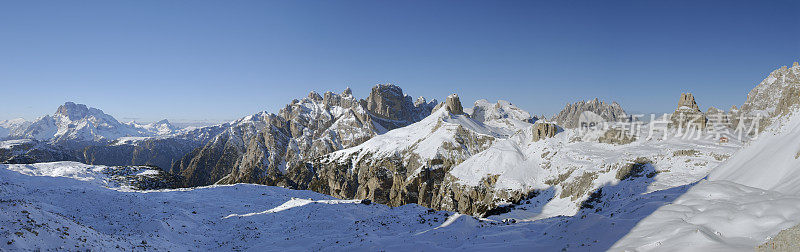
(746, 200)
(72, 206)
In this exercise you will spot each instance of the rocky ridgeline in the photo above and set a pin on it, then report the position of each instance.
(569, 117)
(775, 96)
(271, 149)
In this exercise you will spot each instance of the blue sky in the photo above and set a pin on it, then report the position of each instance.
(220, 60)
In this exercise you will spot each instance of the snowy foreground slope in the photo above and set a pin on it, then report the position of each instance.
(746, 200)
(68, 206)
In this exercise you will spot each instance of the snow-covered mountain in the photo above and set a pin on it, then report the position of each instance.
(160, 128)
(569, 117)
(12, 125)
(79, 124)
(529, 183)
(410, 164)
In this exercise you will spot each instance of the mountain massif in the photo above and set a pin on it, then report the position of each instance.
(559, 184)
(396, 150)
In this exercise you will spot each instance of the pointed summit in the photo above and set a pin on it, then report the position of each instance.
(347, 92)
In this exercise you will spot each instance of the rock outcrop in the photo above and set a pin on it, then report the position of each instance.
(686, 101)
(688, 114)
(569, 117)
(453, 104)
(544, 130)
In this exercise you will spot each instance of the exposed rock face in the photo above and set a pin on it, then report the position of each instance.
(413, 169)
(453, 104)
(388, 101)
(786, 240)
(687, 101)
(688, 114)
(272, 149)
(569, 116)
(775, 96)
(544, 130)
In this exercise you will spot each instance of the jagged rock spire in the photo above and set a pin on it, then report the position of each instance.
(453, 105)
(687, 100)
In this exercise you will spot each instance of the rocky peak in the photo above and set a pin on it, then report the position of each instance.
(687, 100)
(453, 104)
(386, 100)
(543, 130)
(688, 114)
(73, 111)
(775, 95)
(164, 124)
(569, 117)
(314, 96)
(420, 101)
(347, 92)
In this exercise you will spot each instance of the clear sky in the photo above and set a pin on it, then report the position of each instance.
(220, 60)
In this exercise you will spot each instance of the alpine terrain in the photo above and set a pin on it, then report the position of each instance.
(331, 171)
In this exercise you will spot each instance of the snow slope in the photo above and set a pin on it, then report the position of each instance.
(425, 138)
(562, 163)
(751, 197)
(71, 206)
